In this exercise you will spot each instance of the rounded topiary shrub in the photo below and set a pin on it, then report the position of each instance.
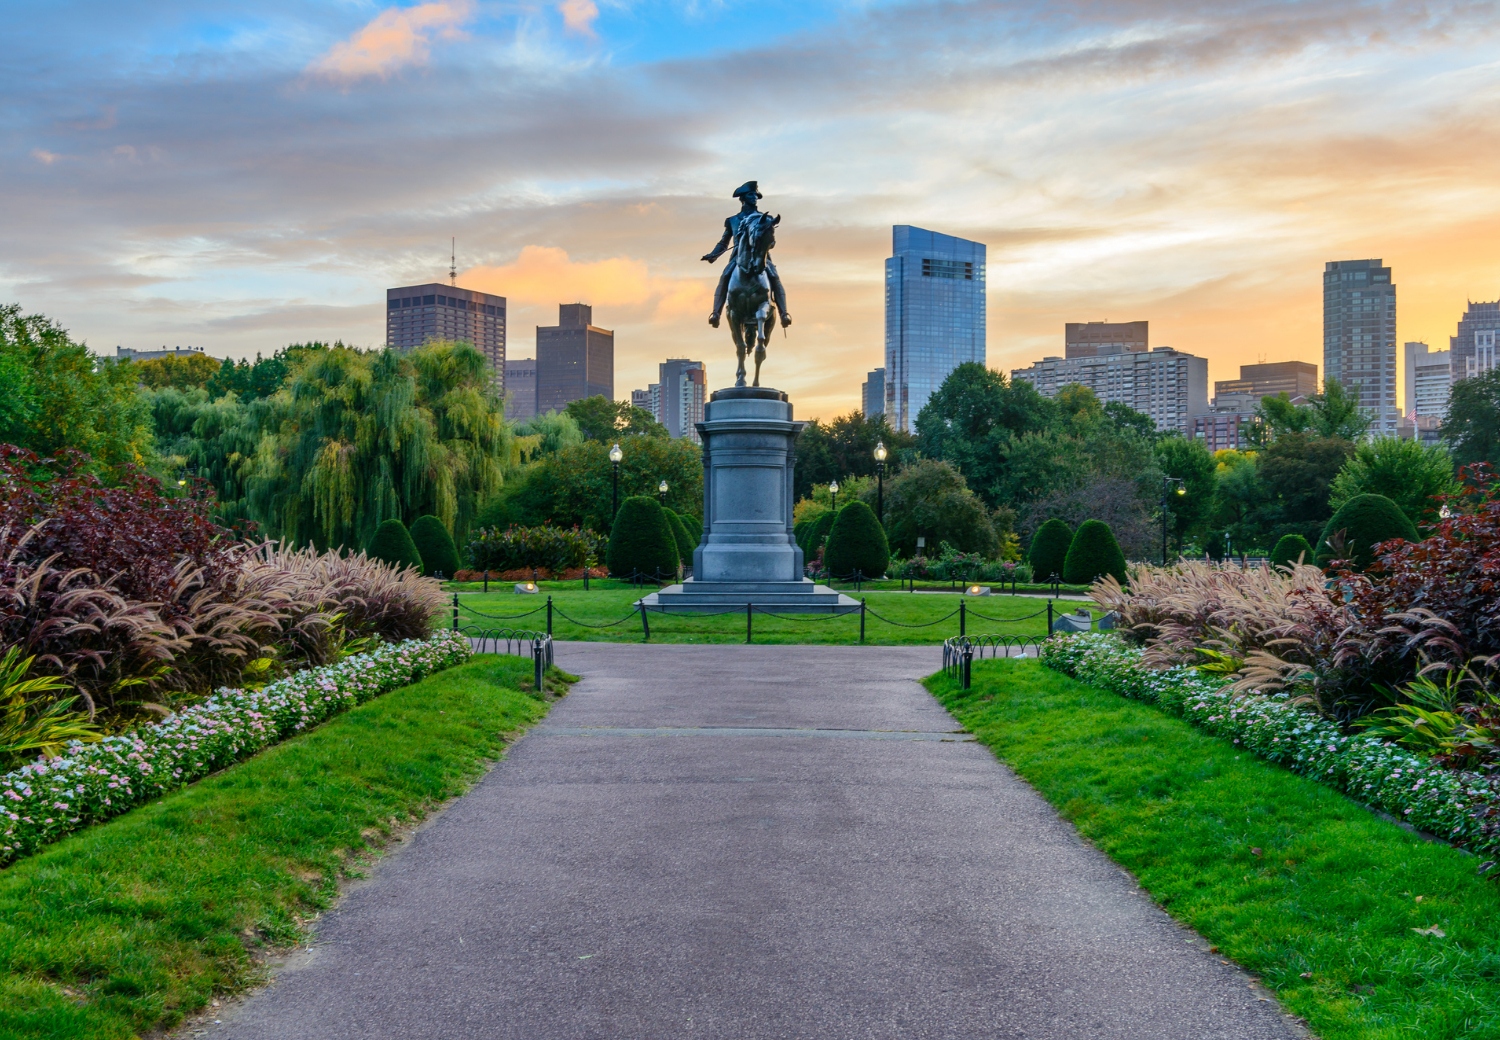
(1049, 550)
(392, 544)
(1093, 554)
(1362, 523)
(641, 541)
(683, 538)
(1291, 549)
(856, 543)
(434, 546)
(818, 533)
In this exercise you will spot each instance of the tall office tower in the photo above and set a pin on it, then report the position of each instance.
(520, 388)
(872, 394)
(681, 393)
(1359, 335)
(1429, 377)
(574, 359)
(1093, 338)
(1168, 385)
(1297, 379)
(1472, 352)
(642, 399)
(934, 316)
(415, 314)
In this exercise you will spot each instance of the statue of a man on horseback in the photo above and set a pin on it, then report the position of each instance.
(749, 285)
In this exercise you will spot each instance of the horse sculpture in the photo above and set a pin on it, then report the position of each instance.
(751, 310)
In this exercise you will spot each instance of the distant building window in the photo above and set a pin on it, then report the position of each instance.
(393, 304)
(428, 299)
(947, 269)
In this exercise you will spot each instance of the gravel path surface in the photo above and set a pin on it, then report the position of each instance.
(743, 843)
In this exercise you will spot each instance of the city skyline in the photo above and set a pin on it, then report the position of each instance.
(241, 178)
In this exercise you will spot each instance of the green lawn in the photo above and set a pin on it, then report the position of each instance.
(1333, 907)
(611, 601)
(130, 925)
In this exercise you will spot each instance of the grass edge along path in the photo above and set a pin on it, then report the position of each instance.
(131, 925)
(1361, 928)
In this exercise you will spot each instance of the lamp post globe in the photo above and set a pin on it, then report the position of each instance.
(615, 455)
(661, 492)
(880, 457)
(833, 491)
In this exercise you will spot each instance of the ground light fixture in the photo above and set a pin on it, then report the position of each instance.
(880, 457)
(978, 590)
(526, 588)
(833, 491)
(661, 492)
(615, 455)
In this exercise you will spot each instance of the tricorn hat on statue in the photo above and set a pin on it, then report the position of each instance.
(748, 188)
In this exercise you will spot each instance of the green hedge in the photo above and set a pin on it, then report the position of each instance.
(1093, 554)
(435, 546)
(818, 533)
(1289, 549)
(1049, 550)
(1365, 521)
(392, 544)
(642, 541)
(857, 542)
(684, 539)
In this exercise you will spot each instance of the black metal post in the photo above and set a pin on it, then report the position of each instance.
(585, 575)
(1049, 617)
(962, 617)
(455, 612)
(880, 492)
(614, 501)
(663, 496)
(645, 626)
(1164, 485)
(549, 615)
(749, 614)
(968, 658)
(861, 620)
(539, 667)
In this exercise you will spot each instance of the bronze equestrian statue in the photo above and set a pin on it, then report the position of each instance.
(749, 284)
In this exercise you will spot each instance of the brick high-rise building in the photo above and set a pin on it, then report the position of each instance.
(1096, 338)
(1297, 379)
(574, 359)
(417, 314)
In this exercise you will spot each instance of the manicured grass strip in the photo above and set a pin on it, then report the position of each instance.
(610, 601)
(1312, 892)
(132, 924)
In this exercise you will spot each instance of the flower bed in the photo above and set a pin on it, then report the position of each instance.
(47, 800)
(1441, 801)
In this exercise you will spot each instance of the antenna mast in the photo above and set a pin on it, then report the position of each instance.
(453, 261)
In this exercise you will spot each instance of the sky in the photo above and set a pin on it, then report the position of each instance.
(238, 177)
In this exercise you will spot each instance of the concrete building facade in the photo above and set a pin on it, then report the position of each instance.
(417, 314)
(1221, 430)
(1297, 379)
(520, 388)
(1095, 338)
(1168, 385)
(872, 394)
(574, 359)
(934, 316)
(1359, 335)
(679, 396)
(1429, 377)
(1472, 349)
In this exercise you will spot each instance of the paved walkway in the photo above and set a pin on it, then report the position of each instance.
(743, 843)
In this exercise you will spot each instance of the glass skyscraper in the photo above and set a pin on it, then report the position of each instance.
(1359, 335)
(934, 316)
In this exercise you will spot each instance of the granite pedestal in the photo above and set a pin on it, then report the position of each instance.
(748, 554)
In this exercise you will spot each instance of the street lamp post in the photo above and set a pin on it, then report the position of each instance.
(1168, 485)
(615, 455)
(833, 490)
(661, 492)
(880, 456)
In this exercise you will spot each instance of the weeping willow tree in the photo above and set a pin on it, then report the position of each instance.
(355, 438)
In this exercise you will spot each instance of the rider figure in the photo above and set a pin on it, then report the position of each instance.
(747, 193)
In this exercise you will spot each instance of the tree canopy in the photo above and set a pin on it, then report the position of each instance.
(845, 448)
(600, 419)
(1473, 422)
(1409, 473)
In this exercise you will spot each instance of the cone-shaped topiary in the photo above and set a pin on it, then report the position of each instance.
(856, 543)
(1093, 554)
(1362, 523)
(1291, 549)
(641, 541)
(818, 533)
(1049, 550)
(435, 546)
(685, 542)
(392, 544)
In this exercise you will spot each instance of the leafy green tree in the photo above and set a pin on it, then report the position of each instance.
(1295, 475)
(434, 546)
(1191, 462)
(1334, 413)
(1049, 550)
(641, 542)
(1409, 473)
(1360, 524)
(1093, 554)
(1291, 549)
(600, 419)
(183, 371)
(392, 543)
(857, 544)
(264, 376)
(1473, 422)
(929, 498)
(56, 397)
(845, 449)
(547, 434)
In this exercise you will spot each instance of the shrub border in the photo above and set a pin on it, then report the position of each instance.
(1441, 801)
(49, 799)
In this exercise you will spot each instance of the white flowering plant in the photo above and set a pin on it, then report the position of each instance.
(89, 783)
(1442, 802)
